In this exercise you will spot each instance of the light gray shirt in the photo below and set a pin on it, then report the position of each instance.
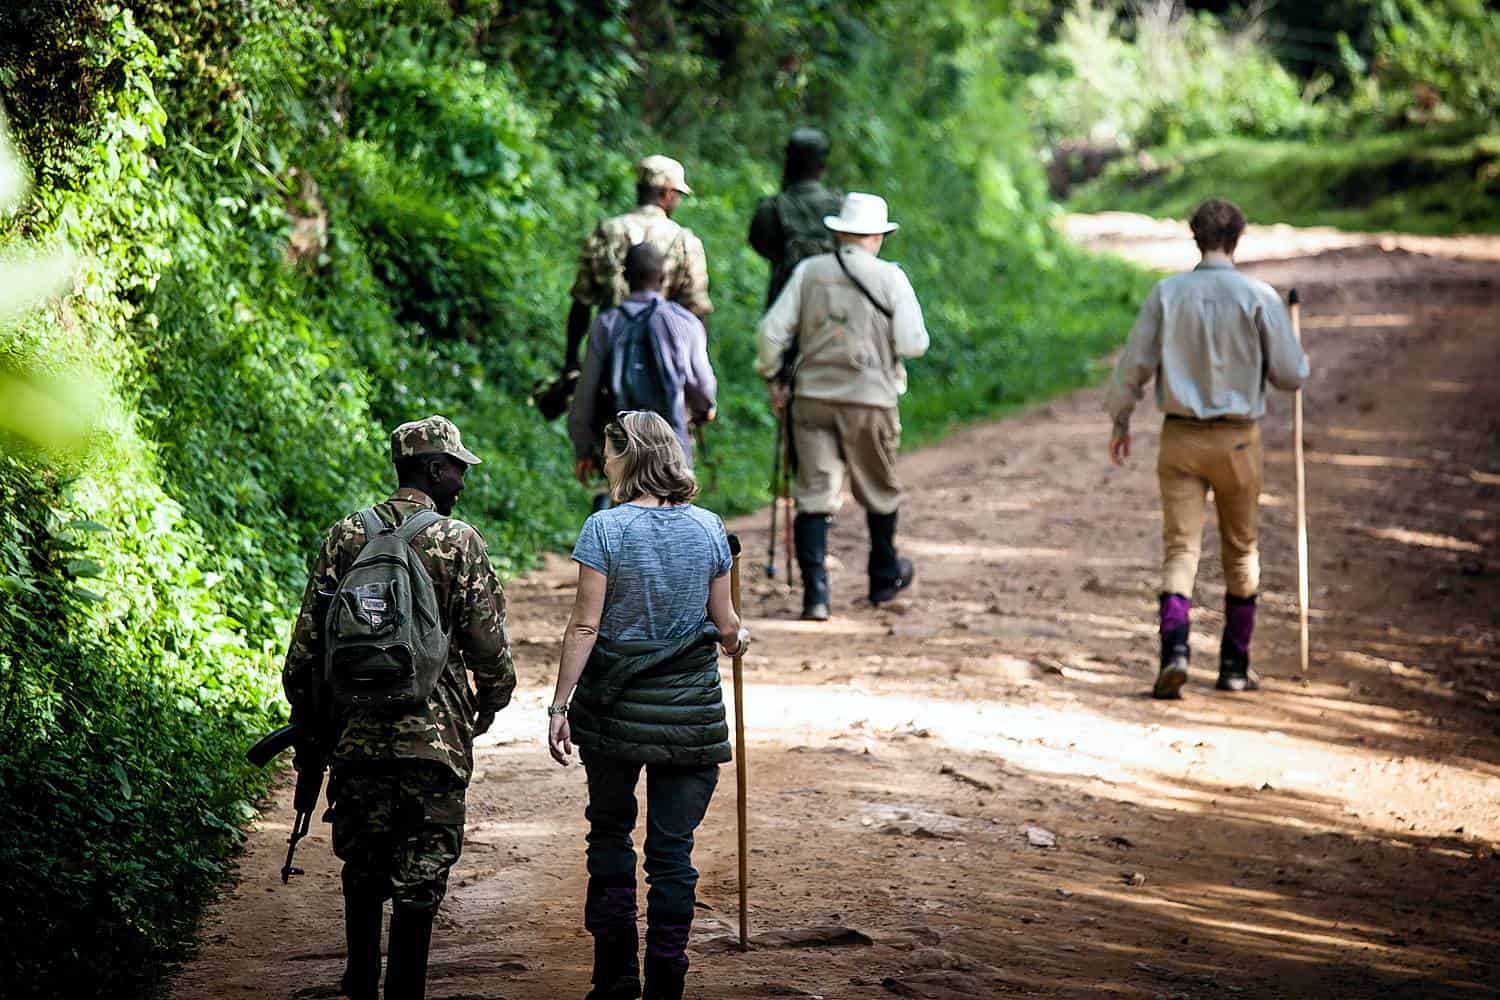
(659, 562)
(847, 350)
(1213, 339)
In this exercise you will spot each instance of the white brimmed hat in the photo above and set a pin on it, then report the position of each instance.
(861, 215)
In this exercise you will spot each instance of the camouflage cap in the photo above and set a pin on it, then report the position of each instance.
(433, 435)
(664, 172)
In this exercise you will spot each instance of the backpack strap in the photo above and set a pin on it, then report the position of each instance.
(372, 522)
(417, 523)
(885, 311)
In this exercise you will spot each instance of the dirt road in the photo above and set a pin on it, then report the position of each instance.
(970, 795)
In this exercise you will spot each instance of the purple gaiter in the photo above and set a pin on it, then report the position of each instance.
(668, 942)
(1239, 622)
(1174, 613)
(609, 908)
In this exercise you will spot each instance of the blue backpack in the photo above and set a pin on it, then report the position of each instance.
(638, 377)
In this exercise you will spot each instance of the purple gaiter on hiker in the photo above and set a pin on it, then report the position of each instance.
(1174, 612)
(669, 942)
(1239, 622)
(609, 908)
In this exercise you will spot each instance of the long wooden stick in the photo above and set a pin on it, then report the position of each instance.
(1302, 587)
(786, 493)
(740, 771)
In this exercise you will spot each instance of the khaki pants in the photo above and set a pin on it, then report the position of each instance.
(1195, 457)
(832, 438)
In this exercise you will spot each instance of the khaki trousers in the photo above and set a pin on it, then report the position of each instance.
(835, 439)
(1194, 458)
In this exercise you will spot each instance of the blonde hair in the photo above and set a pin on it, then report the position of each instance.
(652, 462)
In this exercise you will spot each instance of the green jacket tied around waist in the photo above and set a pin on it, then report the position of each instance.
(655, 702)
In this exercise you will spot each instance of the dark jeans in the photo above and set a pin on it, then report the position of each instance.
(676, 799)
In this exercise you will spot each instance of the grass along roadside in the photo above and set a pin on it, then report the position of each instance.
(1434, 181)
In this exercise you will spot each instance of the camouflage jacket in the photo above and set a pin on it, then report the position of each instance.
(472, 605)
(601, 264)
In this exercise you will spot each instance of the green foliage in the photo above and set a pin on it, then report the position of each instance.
(1437, 181)
(300, 224)
(1162, 77)
(1432, 61)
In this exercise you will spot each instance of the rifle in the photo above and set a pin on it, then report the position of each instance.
(311, 761)
(311, 743)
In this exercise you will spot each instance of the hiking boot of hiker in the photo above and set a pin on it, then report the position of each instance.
(810, 535)
(1234, 649)
(361, 979)
(889, 573)
(666, 956)
(406, 958)
(609, 914)
(1175, 652)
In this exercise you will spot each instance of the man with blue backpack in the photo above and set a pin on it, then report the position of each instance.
(647, 353)
(401, 606)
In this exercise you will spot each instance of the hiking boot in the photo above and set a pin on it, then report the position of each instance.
(406, 960)
(609, 914)
(1175, 651)
(361, 979)
(810, 534)
(1234, 649)
(666, 955)
(889, 573)
(887, 589)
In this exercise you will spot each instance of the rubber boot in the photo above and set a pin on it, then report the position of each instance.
(406, 958)
(362, 913)
(889, 573)
(1175, 652)
(810, 533)
(1234, 649)
(609, 915)
(666, 955)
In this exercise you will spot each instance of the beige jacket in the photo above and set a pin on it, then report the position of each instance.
(847, 351)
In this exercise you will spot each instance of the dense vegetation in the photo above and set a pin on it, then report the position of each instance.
(297, 224)
(1388, 123)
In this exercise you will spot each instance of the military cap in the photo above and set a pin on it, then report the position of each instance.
(433, 435)
(662, 171)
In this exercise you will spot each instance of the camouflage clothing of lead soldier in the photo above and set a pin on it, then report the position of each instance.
(600, 284)
(787, 227)
(399, 776)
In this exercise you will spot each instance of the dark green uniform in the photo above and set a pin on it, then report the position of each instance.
(788, 228)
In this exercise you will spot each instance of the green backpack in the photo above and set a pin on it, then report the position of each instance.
(386, 646)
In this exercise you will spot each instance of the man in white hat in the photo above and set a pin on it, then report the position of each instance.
(845, 320)
(660, 185)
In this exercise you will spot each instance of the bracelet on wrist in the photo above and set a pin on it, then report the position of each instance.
(557, 710)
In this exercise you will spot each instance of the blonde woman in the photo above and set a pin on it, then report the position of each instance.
(640, 665)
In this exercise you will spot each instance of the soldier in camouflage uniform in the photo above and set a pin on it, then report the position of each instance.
(600, 285)
(787, 227)
(398, 780)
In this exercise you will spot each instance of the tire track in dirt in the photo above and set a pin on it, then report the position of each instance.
(1335, 834)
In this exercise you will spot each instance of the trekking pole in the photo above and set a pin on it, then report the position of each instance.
(775, 499)
(740, 772)
(786, 494)
(1295, 301)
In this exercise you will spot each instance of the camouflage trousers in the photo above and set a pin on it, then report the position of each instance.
(397, 832)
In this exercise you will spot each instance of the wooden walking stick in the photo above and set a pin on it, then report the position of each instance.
(1295, 301)
(786, 495)
(740, 773)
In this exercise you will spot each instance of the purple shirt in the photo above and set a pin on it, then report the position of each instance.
(682, 344)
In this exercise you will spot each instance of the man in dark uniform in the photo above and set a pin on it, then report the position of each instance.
(399, 776)
(788, 226)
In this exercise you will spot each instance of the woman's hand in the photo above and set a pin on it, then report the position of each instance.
(559, 739)
(742, 643)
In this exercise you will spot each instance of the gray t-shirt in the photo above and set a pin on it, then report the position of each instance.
(659, 561)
